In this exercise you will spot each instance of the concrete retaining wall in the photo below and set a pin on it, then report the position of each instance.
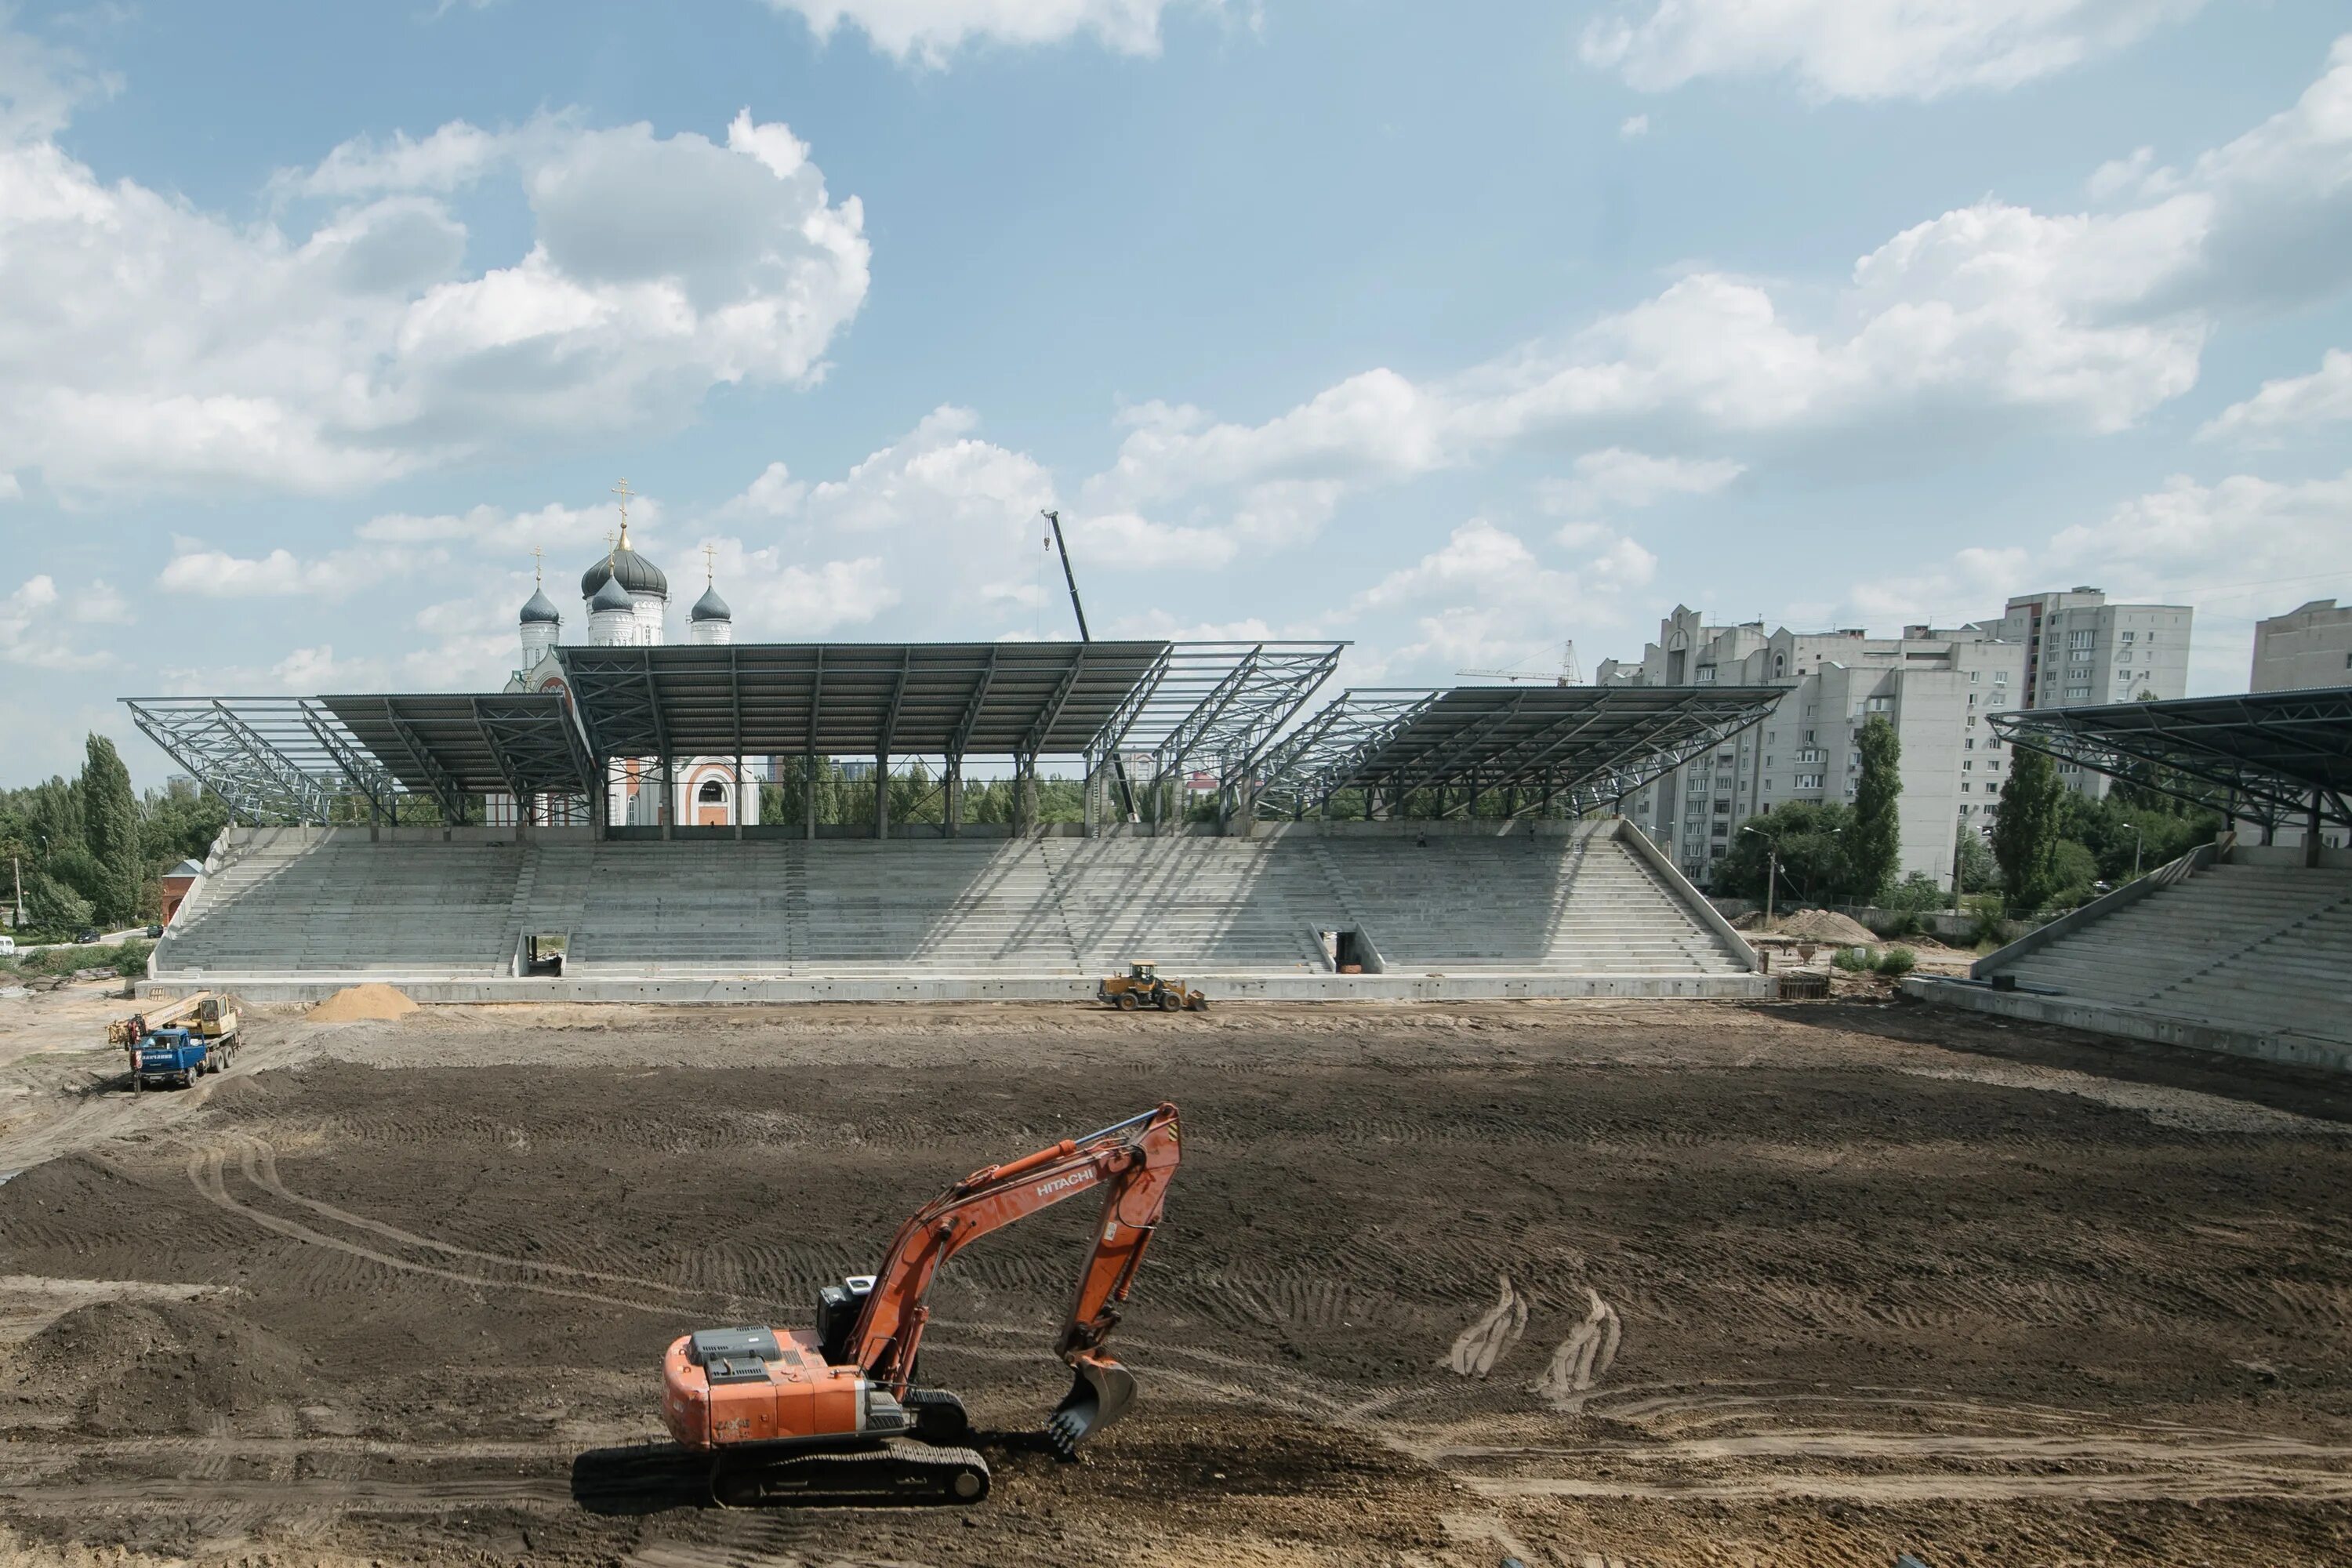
(2074, 1012)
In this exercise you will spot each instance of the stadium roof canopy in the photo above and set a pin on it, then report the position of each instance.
(1184, 705)
(2270, 755)
(1592, 744)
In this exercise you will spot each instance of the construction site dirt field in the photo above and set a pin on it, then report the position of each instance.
(1578, 1283)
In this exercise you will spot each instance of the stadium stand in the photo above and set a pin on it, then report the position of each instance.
(1581, 903)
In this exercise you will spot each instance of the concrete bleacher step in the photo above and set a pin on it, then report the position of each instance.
(1583, 904)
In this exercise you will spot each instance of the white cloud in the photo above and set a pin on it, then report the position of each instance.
(1484, 599)
(28, 635)
(564, 531)
(1614, 477)
(2323, 397)
(1987, 315)
(217, 575)
(1868, 49)
(152, 345)
(1633, 125)
(932, 31)
(9, 489)
(2121, 177)
(101, 604)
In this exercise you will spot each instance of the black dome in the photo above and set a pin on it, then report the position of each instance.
(610, 595)
(538, 610)
(710, 607)
(637, 574)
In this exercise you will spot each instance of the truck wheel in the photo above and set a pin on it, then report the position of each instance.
(1170, 1002)
(1126, 1002)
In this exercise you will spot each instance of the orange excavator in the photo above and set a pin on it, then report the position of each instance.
(833, 1415)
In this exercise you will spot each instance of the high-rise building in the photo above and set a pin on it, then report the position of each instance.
(1936, 687)
(2083, 652)
(2306, 647)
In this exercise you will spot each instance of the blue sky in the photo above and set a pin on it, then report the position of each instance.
(1455, 331)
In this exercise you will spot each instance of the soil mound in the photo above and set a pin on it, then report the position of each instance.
(150, 1366)
(1826, 926)
(362, 1004)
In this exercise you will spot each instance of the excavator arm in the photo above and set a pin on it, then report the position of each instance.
(1130, 1162)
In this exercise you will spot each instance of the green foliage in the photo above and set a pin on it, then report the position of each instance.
(1979, 872)
(1873, 844)
(2074, 873)
(2025, 836)
(1915, 894)
(1986, 910)
(1853, 960)
(110, 831)
(53, 909)
(1897, 962)
(1812, 863)
(2112, 828)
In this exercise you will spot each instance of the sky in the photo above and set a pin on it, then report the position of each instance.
(1453, 330)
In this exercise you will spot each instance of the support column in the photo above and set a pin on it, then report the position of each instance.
(2311, 833)
(1024, 795)
(737, 762)
(881, 794)
(668, 796)
(808, 793)
(954, 787)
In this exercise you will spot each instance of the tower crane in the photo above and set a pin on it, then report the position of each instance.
(1568, 674)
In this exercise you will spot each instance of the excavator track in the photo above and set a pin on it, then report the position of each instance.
(900, 1473)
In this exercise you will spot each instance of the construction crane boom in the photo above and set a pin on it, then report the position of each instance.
(1568, 674)
(1068, 575)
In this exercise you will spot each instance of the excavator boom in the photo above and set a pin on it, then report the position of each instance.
(787, 1395)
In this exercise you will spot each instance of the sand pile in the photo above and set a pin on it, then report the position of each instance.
(1825, 926)
(362, 1004)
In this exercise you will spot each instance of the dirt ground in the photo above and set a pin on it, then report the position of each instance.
(1580, 1284)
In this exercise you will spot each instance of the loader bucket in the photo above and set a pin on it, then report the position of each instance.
(1099, 1394)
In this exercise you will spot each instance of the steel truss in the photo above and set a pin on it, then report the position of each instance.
(1568, 749)
(1214, 706)
(2273, 756)
(268, 759)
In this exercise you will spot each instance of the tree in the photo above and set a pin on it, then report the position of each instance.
(1979, 872)
(2025, 836)
(109, 813)
(52, 907)
(1873, 844)
(1805, 836)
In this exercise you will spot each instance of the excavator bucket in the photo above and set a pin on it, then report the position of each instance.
(1099, 1394)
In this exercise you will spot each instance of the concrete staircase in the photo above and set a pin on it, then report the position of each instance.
(2260, 948)
(354, 908)
(1582, 904)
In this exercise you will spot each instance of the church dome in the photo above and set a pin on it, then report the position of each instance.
(540, 610)
(610, 595)
(710, 607)
(633, 570)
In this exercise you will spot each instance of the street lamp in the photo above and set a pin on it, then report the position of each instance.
(2139, 840)
(1772, 867)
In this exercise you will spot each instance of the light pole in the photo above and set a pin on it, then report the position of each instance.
(2139, 840)
(1771, 870)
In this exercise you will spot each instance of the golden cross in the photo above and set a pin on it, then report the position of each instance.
(538, 565)
(623, 491)
(710, 564)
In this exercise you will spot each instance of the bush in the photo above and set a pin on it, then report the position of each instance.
(1853, 960)
(130, 958)
(1897, 962)
(1986, 910)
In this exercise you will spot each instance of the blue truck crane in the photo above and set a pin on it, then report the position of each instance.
(176, 1055)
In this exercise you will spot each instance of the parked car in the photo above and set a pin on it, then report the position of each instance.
(7, 946)
(87, 936)
(153, 931)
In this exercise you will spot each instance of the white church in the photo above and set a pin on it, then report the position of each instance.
(628, 603)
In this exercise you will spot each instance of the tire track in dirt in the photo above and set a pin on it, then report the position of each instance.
(1484, 1342)
(204, 1173)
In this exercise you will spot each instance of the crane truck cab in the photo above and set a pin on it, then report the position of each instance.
(173, 1054)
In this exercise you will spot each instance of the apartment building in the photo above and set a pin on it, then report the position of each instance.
(2083, 652)
(2307, 647)
(1936, 687)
